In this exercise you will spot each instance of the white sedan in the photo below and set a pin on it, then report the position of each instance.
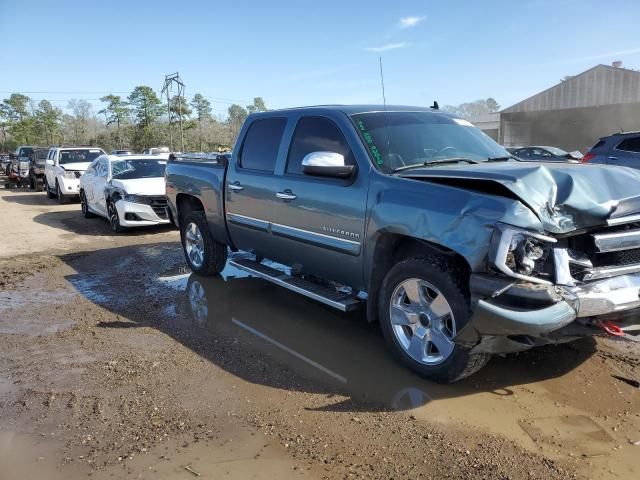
(127, 190)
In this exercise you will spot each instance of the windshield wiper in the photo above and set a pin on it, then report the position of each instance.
(442, 161)
(501, 159)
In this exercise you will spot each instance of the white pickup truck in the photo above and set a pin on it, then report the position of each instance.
(64, 167)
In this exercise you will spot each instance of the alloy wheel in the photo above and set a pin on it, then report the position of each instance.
(194, 245)
(422, 321)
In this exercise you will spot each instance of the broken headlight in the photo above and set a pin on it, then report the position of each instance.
(521, 253)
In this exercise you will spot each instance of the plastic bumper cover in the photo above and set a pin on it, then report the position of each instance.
(144, 214)
(69, 186)
(494, 323)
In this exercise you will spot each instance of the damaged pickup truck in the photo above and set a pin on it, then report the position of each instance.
(458, 250)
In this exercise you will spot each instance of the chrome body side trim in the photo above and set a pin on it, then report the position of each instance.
(330, 242)
(614, 242)
(250, 222)
(326, 241)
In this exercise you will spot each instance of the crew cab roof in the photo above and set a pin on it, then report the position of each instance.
(353, 109)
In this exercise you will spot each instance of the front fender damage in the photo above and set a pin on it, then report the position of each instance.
(510, 316)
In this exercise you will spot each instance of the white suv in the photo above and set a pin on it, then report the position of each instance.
(64, 167)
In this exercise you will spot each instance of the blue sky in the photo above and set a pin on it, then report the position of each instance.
(310, 52)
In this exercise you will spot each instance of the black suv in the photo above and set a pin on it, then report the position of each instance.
(618, 149)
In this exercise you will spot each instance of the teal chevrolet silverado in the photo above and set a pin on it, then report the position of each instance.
(458, 249)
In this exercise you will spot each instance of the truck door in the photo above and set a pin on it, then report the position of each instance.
(319, 221)
(251, 186)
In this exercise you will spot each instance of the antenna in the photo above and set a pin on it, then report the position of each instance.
(384, 98)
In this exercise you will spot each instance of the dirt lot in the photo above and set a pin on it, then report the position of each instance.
(115, 362)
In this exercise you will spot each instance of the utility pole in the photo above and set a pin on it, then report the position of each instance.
(169, 82)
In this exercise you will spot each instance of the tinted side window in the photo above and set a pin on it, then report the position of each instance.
(316, 134)
(260, 148)
(630, 145)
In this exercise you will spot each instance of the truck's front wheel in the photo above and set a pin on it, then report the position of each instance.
(422, 305)
(204, 255)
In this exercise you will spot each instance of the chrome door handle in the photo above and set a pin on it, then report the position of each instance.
(612, 158)
(286, 195)
(235, 187)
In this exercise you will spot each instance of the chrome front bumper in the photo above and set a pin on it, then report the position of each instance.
(616, 294)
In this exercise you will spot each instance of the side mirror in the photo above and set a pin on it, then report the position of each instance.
(326, 164)
(48, 162)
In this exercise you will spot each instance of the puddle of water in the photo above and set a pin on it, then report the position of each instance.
(88, 286)
(577, 434)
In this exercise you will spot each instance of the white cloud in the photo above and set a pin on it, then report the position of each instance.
(408, 22)
(388, 46)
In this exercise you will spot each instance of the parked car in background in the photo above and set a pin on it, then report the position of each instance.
(5, 160)
(544, 154)
(621, 149)
(36, 168)
(63, 168)
(121, 152)
(163, 151)
(128, 190)
(18, 172)
(24, 151)
(459, 250)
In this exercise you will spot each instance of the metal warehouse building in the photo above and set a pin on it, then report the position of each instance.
(576, 112)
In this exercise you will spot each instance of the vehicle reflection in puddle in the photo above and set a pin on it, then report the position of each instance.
(340, 351)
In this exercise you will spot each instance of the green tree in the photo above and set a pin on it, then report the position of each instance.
(47, 118)
(18, 121)
(202, 107)
(492, 105)
(237, 116)
(147, 109)
(257, 106)
(116, 112)
(82, 114)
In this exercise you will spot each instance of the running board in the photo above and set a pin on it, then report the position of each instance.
(345, 302)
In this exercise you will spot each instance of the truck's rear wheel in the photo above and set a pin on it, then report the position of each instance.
(204, 255)
(422, 305)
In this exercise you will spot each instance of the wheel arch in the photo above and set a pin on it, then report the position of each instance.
(392, 247)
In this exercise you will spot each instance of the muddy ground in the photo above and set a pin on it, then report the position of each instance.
(115, 362)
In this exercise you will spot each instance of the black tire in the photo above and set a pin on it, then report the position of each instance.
(114, 218)
(460, 363)
(59, 195)
(214, 257)
(50, 194)
(32, 183)
(84, 206)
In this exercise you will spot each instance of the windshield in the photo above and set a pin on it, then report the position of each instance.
(128, 169)
(78, 156)
(400, 139)
(25, 152)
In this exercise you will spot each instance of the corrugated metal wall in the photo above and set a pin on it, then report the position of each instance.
(601, 85)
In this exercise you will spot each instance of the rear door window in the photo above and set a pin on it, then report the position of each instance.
(260, 149)
(316, 134)
(630, 145)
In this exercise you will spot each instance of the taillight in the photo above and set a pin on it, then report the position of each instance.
(588, 157)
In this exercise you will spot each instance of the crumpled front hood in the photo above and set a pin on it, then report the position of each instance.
(141, 186)
(565, 197)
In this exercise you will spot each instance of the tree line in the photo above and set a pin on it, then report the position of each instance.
(137, 121)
